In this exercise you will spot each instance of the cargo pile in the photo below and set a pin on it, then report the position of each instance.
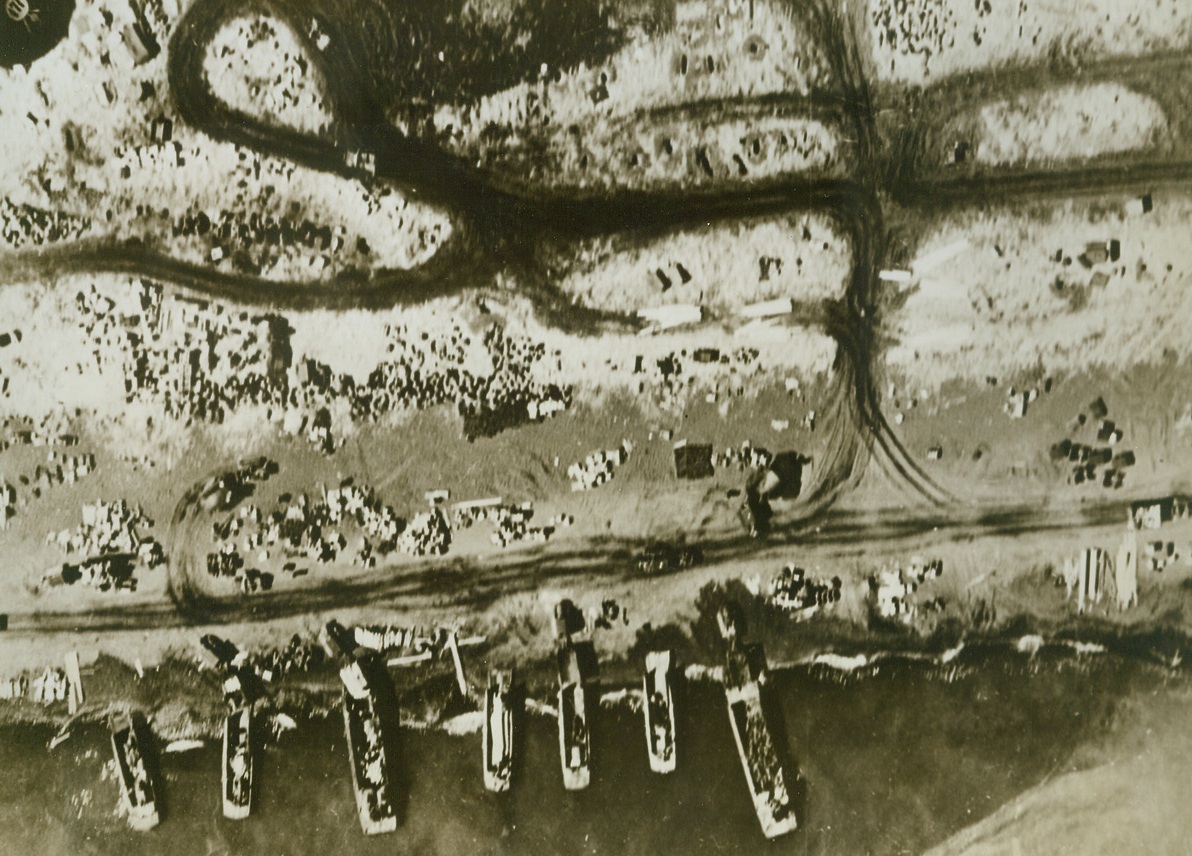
(598, 468)
(378, 521)
(25, 432)
(265, 244)
(296, 656)
(23, 226)
(107, 527)
(511, 521)
(112, 546)
(315, 529)
(203, 362)
(429, 534)
(892, 596)
(1085, 459)
(198, 360)
(386, 638)
(61, 468)
(893, 590)
(425, 372)
(298, 528)
(746, 457)
(671, 380)
(47, 688)
(803, 596)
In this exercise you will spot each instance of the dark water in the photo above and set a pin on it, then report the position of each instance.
(25, 41)
(894, 762)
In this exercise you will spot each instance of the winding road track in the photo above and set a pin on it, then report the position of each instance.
(498, 226)
(467, 583)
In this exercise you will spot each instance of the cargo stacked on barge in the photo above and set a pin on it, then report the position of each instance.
(366, 752)
(498, 731)
(574, 746)
(659, 712)
(743, 674)
(237, 764)
(129, 742)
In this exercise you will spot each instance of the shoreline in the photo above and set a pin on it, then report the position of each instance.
(1083, 703)
(183, 700)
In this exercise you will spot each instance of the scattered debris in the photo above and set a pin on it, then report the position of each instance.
(511, 522)
(1126, 570)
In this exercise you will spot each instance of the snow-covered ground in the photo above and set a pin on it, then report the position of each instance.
(257, 66)
(95, 147)
(1022, 296)
(919, 41)
(722, 268)
(716, 49)
(680, 151)
(613, 124)
(1068, 123)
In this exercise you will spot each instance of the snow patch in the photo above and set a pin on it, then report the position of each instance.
(256, 65)
(466, 723)
(840, 662)
(1029, 645)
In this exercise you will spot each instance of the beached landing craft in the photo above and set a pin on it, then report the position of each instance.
(659, 712)
(366, 751)
(237, 764)
(574, 747)
(136, 787)
(759, 758)
(498, 731)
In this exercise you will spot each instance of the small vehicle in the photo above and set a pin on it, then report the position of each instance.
(226, 653)
(664, 558)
